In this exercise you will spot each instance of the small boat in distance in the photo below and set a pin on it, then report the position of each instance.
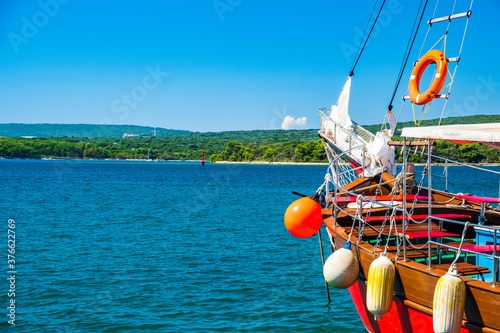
(413, 257)
(149, 159)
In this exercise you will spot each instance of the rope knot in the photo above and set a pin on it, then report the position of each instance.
(359, 200)
(328, 178)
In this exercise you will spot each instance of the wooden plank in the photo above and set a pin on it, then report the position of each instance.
(411, 253)
(398, 197)
(425, 234)
(419, 217)
(464, 268)
(417, 282)
(372, 230)
(481, 305)
(457, 244)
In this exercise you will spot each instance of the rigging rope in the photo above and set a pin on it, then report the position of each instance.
(449, 86)
(459, 252)
(392, 224)
(364, 34)
(357, 216)
(423, 113)
(459, 55)
(367, 38)
(408, 50)
(428, 30)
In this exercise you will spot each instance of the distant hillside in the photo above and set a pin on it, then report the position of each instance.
(245, 137)
(79, 130)
(106, 142)
(254, 136)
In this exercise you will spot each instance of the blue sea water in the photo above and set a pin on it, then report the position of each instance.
(108, 246)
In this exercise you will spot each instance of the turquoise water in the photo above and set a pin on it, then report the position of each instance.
(162, 247)
(167, 247)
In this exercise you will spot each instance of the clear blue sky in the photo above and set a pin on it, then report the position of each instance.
(208, 65)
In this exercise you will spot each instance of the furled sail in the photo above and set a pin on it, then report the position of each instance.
(340, 112)
(381, 154)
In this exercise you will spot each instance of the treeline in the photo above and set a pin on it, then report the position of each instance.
(171, 146)
(106, 148)
(217, 149)
(243, 146)
(297, 151)
(313, 151)
(162, 149)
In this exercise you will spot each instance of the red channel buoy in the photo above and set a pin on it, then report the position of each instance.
(303, 217)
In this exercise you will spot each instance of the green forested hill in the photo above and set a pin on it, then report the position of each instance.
(170, 146)
(105, 142)
(113, 131)
(78, 130)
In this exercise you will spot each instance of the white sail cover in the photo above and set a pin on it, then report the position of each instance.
(462, 133)
(392, 122)
(381, 154)
(340, 112)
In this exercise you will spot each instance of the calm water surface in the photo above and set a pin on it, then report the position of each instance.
(167, 247)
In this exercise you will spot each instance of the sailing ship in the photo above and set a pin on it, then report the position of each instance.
(414, 258)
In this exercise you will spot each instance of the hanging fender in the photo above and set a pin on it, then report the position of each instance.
(433, 56)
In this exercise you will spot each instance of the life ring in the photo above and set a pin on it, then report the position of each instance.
(433, 56)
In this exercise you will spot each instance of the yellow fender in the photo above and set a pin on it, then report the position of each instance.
(449, 302)
(380, 286)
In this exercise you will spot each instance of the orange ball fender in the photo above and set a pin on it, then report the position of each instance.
(433, 56)
(303, 217)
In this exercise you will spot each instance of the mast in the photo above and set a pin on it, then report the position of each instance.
(203, 159)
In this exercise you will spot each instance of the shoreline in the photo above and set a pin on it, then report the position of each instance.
(226, 162)
(272, 163)
(95, 159)
(326, 163)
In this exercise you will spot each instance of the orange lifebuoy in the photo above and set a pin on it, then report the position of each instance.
(433, 56)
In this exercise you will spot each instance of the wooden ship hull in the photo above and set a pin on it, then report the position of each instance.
(442, 229)
(415, 282)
